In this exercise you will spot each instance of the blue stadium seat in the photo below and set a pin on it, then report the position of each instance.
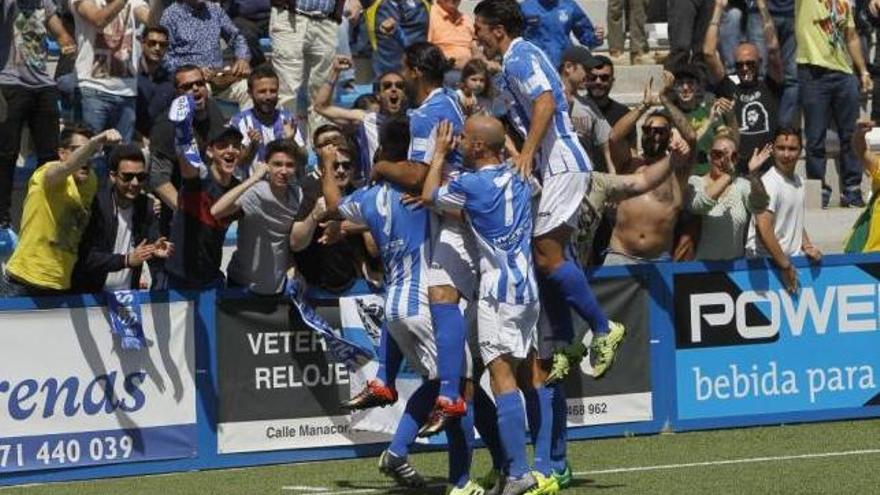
(52, 47)
(266, 45)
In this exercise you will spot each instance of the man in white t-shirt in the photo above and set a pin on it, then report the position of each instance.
(778, 231)
(107, 60)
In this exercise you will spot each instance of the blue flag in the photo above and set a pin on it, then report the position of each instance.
(124, 307)
(352, 355)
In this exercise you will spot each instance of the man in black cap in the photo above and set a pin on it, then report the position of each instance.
(196, 234)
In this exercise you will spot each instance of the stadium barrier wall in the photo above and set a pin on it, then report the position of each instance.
(711, 345)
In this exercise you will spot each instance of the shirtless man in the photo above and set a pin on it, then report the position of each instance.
(646, 223)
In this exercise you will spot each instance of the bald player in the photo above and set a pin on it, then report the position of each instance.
(756, 100)
(496, 205)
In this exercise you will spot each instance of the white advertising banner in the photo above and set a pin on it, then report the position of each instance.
(71, 396)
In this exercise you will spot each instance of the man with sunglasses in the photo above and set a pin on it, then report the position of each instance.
(123, 229)
(756, 101)
(645, 227)
(155, 88)
(165, 177)
(55, 216)
(390, 89)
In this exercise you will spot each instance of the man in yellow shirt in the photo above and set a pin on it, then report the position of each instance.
(56, 212)
(827, 49)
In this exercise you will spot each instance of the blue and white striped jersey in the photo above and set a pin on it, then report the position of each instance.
(497, 204)
(245, 120)
(367, 138)
(402, 235)
(526, 73)
(441, 104)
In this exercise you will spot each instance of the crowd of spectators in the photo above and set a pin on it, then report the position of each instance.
(112, 193)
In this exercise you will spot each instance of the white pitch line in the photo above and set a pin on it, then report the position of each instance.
(724, 462)
(308, 489)
(369, 490)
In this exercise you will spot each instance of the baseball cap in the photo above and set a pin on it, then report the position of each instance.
(223, 133)
(579, 55)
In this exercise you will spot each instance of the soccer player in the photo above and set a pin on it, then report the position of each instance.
(551, 146)
(496, 204)
(452, 272)
(402, 234)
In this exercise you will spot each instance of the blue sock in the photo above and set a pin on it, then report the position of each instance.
(449, 330)
(558, 455)
(540, 413)
(390, 358)
(418, 407)
(511, 426)
(460, 434)
(557, 311)
(571, 282)
(486, 421)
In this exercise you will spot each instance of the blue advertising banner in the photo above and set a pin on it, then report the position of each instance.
(746, 346)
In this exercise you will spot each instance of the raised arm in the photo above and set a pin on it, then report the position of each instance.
(228, 204)
(59, 173)
(775, 64)
(324, 97)
(329, 187)
(620, 148)
(710, 43)
(679, 120)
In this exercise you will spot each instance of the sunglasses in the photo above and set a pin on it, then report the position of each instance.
(343, 165)
(163, 44)
(655, 130)
(129, 176)
(720, 154)
(600, 77)
(396, 84)
(190, 85)
(746, 64)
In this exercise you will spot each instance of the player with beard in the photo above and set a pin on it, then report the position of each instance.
(756, 101)
(646, 223)
(264, 122)
(391, 91)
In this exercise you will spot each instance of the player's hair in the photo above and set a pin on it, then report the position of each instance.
(125, 151)
(394, 139)
(505, 13)
(262, 71)
(789, 131)
(429, 60)
(324, 129)
(73, 129)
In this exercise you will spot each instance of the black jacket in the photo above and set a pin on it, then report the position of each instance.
(96, 256)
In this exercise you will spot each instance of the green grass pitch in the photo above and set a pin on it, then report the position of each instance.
(823, 458)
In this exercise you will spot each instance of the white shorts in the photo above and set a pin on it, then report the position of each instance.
(415, 337)
(454, 256)
(560, 202)
(506, 329)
